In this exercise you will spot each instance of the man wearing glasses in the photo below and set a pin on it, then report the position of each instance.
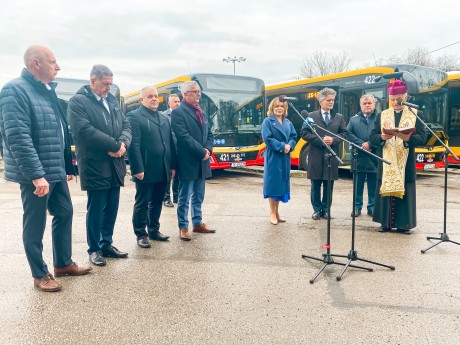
(194, 146)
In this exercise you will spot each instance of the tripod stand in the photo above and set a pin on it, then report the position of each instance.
(353, 254)
(443, 236)
(328, 257)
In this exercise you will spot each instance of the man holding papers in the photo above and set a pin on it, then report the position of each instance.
(397, 132)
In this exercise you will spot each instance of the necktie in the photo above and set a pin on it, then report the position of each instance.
(326, 118)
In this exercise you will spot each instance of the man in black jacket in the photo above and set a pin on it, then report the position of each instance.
(359, 131)
(37, 156)
(152, 158)
(101, 134)
(194, 146)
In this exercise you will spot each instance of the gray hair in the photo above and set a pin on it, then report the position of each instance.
(366, 97)
(100, 71)
(186, 86)
(326, 92)
(173, 95)
(147, 88)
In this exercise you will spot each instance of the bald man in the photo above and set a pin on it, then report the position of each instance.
(38, 158)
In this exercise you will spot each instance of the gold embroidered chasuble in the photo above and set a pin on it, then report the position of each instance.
(393, 174)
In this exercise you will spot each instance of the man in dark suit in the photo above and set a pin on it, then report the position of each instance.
(317, 168)
(173, 103)
(101, 134)
(152, 158)
(194, 147)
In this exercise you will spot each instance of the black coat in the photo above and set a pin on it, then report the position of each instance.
(97, 132)
(32, 124)
(358, 132)
(192, 140)
(317, 164)
(152, 148)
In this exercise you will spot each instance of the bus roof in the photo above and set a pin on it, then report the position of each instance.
(184, 78)
(368, 70)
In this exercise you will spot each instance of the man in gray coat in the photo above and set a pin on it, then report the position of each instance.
(173, 103)
(37, 156)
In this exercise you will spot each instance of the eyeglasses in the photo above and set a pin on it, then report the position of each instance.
(196, 92)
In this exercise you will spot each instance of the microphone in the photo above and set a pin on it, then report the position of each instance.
(410, 105)
(286, 98)
(306, 118)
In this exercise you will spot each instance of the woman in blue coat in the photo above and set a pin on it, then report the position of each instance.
(280, 138)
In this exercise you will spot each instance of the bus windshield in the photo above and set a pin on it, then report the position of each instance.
(234, 104)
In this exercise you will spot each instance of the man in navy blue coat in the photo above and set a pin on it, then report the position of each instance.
(359, 131)
(194, 147)
(37, 156)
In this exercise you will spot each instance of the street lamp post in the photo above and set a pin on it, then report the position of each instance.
(234, 60)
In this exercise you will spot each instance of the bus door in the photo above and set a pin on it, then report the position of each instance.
(453, 125)
(348, 106)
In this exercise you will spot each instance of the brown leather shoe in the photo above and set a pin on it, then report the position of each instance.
(71, 270)
(47, 283)
(184, 235)
(203, 229)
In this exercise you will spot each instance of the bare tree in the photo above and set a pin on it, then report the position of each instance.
(323, 63)
(418, 56)
(448, 63)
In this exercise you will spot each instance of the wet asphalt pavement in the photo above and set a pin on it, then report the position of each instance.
(246, 284)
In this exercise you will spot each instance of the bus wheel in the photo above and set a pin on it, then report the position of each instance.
(304, 158)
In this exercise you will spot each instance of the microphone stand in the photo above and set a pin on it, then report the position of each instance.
(444, 237)
(328, 257)
(353, 254)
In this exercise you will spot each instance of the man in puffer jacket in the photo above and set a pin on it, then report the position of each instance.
(37, 156)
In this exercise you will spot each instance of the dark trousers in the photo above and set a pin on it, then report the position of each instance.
(175, 188)
(371, 179)
(320, 204)
(59, 205)
(102, 210)
(147, 207)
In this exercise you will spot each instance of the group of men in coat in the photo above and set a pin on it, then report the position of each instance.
(36, 137)
(391, 188)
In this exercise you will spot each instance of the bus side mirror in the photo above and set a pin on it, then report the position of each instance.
(411, 82)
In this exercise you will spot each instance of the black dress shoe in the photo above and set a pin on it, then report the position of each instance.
(403, 231)
(97, 259)
(158, 236)
(143, 242)
(168, 203)
(369, 213)
(384, 229)
(316, 215)
(112, 252)
(357, 213)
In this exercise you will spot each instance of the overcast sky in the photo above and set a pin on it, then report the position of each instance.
(146, 42)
